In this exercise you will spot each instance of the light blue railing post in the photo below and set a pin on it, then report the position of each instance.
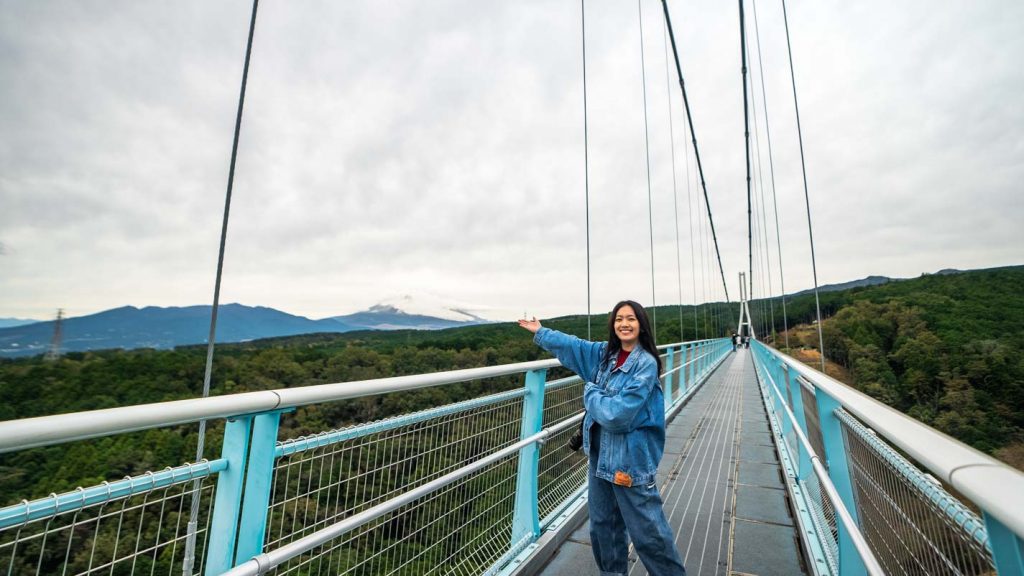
(700, 361)
(697, 350)
(669, 362)
(796, 396)
(780, 398)
(692, 350)
(227, 504)
(695, 365)
(1007, 547)
(705, 360)
(257, 486)
(850, 563)
(682, 381)
(525, 519)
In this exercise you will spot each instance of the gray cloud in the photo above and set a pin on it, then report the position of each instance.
(438, 147)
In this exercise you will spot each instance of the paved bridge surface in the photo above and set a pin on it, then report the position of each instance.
(721, 483)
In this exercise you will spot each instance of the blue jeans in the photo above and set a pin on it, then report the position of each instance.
(616, 510)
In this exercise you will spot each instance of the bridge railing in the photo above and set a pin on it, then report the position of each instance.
(900, 510)
(462, 488)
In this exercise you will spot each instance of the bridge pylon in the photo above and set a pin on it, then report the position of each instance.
(744, 310)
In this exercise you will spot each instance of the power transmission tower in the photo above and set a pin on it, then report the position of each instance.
(58, 336)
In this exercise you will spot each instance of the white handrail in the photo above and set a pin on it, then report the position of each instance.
(47, 430)
(991, 484)
(859, 543)
(264, 562)
(60, 428)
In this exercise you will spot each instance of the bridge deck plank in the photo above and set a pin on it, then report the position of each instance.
(721, 484)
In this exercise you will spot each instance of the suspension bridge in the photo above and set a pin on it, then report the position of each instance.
(771, 467)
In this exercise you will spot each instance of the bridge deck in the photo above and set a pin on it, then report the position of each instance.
(721, 484)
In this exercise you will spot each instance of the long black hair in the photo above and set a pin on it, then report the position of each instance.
(646, 337)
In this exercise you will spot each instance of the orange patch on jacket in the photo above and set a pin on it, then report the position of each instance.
(623, 479)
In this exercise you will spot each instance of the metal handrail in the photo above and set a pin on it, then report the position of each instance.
(240, 410)
(262, 563)
(871, 563)
(994, 486)
(266, 561)
(685, 364)
(61, 428)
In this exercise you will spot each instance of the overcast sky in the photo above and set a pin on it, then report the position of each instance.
(437, 148)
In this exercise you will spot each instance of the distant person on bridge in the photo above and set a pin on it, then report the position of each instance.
(624, 438)
(735, 341)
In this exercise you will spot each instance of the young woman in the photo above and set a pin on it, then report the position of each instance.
(623, 437)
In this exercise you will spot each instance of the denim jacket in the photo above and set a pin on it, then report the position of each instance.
(627, 402)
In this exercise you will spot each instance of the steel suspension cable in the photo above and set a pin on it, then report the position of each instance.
(764, 252)
(647, 150)
(693, 136)
(754, 302)
(675, 190)
(746, 146)
(689, 214)
(760, 252)
(771, 168)
(709, 310)
(703, 270)
(190, 540)
(586, 153)
(807, 197)
(766, 278)
(758, 263)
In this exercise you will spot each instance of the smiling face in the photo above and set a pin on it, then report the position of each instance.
(627, 327)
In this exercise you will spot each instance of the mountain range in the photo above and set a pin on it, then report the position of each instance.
(8, 322)
(868, 281)
(161, 328)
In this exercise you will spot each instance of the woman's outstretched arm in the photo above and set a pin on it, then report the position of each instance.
(581, 356)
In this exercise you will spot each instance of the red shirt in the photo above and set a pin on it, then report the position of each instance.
(621, 359)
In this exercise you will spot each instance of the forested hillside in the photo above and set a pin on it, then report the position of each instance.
(105, 379)
(941, 348)
(944, 349)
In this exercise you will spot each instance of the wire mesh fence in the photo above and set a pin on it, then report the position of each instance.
(137, 533)
(562, 471)
(912, 524)
(461, 529)
(474, 520)
(810, 403)
(452, 531)
(678, 379)
(824, 518)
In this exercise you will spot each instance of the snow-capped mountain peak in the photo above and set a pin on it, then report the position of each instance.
(430, 305)
(420, 312)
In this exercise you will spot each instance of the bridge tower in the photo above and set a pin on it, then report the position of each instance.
(744, 310)
(58, 336)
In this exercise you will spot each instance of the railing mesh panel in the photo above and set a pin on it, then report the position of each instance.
(811, 418)
(824, 518)
(561, 470)
(907, 518)
(461, 529)
(140, 534)
(451, 531)
(679, 378)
